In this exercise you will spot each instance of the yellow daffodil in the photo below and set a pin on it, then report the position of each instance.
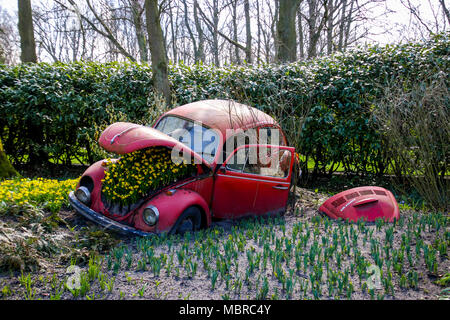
(134, 175)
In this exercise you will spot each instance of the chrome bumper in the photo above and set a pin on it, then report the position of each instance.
(105, 222)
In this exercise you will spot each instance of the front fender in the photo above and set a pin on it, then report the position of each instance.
(96, 172)
(170, 207)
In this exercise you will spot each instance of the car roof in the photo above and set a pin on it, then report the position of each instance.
(223, 114)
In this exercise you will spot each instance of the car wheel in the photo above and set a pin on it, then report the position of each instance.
(189, 221)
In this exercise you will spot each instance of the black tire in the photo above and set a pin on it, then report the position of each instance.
(189, 221)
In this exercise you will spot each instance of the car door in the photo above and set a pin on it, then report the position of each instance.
(234, 193)
(253, 181)
(274, 171)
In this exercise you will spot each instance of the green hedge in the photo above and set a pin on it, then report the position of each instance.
(48, 111)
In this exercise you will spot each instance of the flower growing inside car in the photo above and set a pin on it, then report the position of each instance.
(138, 174)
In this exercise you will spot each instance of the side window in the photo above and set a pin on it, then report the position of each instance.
(250, 167)
(237, 161)
(270, 162)
(271, 135)
(237, 140)
(280, 163)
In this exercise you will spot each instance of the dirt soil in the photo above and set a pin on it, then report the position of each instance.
(301, 255)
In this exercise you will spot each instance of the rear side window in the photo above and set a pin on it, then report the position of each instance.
(271, 135)
(270, 162)
(237, 140)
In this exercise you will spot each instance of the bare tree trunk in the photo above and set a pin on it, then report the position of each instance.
(274, 27)
(314, 28)
(266, 37)
(157, 50)
(237, 59)
(301, 39)
(27, 43)
(313, 37)
(138, 25)
(258, 51)
(174, 38)
(215, 33)
(28, 54)
(287, 50)
(230, 54)
(191, 34)
(330, 27)
(342, 26)
(112, 27)
(444, 8)
(248, 45)
(198, 26)
(349, 22)
(213, 26)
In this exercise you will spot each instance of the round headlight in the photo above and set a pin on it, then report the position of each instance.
(83, 194)
(150, 215)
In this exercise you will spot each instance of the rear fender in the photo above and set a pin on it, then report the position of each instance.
(170, 207)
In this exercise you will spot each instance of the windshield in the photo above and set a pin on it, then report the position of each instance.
(202, 140)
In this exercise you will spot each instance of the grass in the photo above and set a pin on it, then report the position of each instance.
(262, 259)
(340, 168)
(267, 258)
(301, 256)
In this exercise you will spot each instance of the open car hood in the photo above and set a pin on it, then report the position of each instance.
(126, 137)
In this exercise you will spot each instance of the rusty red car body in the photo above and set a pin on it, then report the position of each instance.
(219, 190)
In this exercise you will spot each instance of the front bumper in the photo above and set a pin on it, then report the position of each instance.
(105, 222)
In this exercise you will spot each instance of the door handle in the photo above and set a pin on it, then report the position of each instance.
(280, 187)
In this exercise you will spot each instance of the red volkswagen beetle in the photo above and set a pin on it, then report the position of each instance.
(242, 163)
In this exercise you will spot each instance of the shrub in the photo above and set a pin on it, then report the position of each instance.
(48, 110)
(414, 120)
(53, 111)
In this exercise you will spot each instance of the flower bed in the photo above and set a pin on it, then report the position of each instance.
(49, 194)
(138, 174)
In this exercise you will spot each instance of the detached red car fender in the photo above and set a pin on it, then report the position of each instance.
(368, 203)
